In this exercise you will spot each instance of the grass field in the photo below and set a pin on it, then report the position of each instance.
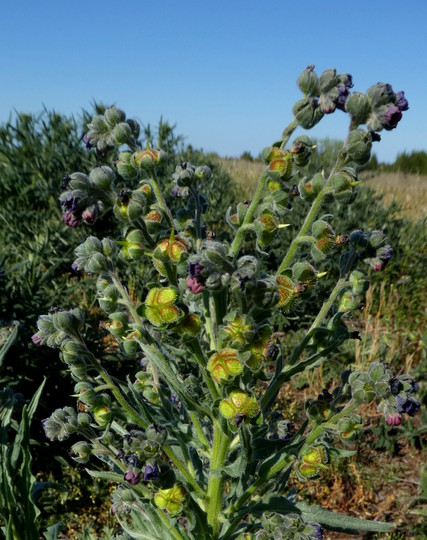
(409, 190)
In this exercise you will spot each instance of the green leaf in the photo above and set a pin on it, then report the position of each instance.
(8, 343)
(106, 475)
(53, 531)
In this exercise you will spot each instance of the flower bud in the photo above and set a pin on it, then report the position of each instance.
(309, 188)
(114, 116)
(134, 245)
(149, 158)
(102, 413)
(349, 302)
(203, 173)
(102, 177)
(159, 306)
(358, 146)
(358, 106)
(137, 205)
(359, 282)
(119, 323)
(96, 263)
(308, 81)
(124, 166)
(122, 133)
(301, 150)
(224, 365)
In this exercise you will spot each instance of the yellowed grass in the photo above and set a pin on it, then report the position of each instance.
(409, 190)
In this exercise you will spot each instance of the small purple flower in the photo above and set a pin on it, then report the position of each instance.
(75, 267)
(195, 269)
(408, 405)
(175, 191)
(132, 478)
(318, 531)
(131, 460)
(37, 340)
(395, 386)
(392, 117)
(88, 141)
(71, 203)
(401, 101)
(393, 419)
(343, 92)
(70, 219)
(89, 215)
(414, 386)
(194, 286)
(151, 472)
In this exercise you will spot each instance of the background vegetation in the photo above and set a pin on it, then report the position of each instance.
(35, 274)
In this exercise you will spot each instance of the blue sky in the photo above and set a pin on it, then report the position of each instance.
(224, 71)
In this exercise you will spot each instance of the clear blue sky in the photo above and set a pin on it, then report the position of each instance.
(223, 71)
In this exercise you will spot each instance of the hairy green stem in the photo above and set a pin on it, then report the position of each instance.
(340, 285)
(220, 445)
(237, 242)
(154, 183)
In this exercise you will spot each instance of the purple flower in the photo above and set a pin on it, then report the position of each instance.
(343, 92)
(318, 531)
(392, 117)
(175, 191)
(131, 460)
(89, 215)
(393, 419)
(71, 203)
(70, 219)
(151, 472)
(414, 387)
(194, 286)
(401, 101)
(37, 340)
(195, 269)
(75, 267)
(407, 405)
(88, 141)
(395, 386)
(132, 478)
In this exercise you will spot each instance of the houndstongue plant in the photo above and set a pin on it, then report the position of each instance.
(193, 433)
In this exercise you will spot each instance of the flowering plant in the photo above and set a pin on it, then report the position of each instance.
(193, 435)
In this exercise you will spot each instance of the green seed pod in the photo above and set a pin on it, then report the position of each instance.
(102, 177)
(307, 112)
(79, 181)
(358, 146)
(81, 451)
(114, 116)
(358, 106)
(159, 306)
(349, 302)
(308, 81)
(124, 166)
(119, 323)
(122, 133)
(137, 205)
(224, 365)
(83, 420)
(109, 247)
(302, 150)
(359, 282)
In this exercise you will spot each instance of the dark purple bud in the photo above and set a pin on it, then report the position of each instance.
(401, 101)
(132, 478)
(131, 460)
(414, 387)
(375, 137)
(395, 386)
(343, 94)
(393, 419)
(88, 141)
(318, 531)
(392, 117)
(71, 203)
(194, 286)
(407, 405)
(89, 215)
(195, 269)
(348, 83)
(151, 472)
(37, 340)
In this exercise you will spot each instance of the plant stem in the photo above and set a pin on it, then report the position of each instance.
(154, 183)
(237, 242)
(302, 235)
(340, 285)
(220, 445)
